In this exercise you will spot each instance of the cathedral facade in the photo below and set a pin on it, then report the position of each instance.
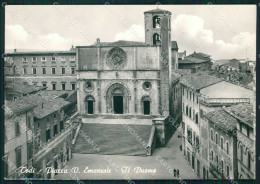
(127, 77)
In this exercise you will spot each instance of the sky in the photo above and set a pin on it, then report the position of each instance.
(222, 31)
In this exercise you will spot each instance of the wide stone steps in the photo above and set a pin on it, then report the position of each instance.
(112, 139)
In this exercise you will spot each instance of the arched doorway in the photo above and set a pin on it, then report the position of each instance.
(117, 99)
(146, 105)
(89, 104)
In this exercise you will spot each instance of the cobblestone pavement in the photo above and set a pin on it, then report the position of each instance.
(163, 161)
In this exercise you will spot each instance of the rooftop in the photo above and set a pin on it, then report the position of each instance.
(199, 80)
(22, 88)
(195, 58)
(224, 89)
(242, 112)
(222, 120)
(13, 108)
(39, 53)
(44, 103)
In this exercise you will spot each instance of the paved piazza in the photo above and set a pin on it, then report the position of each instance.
(163, 161)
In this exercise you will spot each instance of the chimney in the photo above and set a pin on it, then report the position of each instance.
(14, 50)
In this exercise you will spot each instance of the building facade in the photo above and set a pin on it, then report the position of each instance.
(18, 138)
(127, 77)
(201, 94)
(53, 70)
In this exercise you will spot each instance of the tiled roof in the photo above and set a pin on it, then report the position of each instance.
(45, 104)
(17, 107)
(243, 112)
(158, 10)
(175, 76)
(22, 88)
(199, 80)
(174, 45)
(195, 58)
(222, 120)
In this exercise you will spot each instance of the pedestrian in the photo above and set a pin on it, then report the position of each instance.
(178, 173)
(174, 172)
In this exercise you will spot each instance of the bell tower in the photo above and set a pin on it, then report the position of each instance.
(158, 33)
(153, 25)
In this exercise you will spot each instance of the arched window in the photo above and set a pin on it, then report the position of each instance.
(89, 104)
(156, 39)
(146, 103)
(156, 22)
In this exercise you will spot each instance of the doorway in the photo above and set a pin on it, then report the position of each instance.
(118, 104)
(90, 107)
(146, 106)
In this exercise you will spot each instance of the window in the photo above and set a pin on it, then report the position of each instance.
(190, 95)
(55, 130)
(193, 114)
(248, 161)
(221, 142)
(156, 22)
(34, 58)
(24, 59)
(62, 70)
(53, 58)
(48, 135)
(44, 84)
(227, 171)
(190, 113)
(54, 116)
(61, 125)
(25, 70)
(227, 147)
(216, 161)
(197, 118)
(53, 86)
(156, 39)
(53, 70)
(17, 127)
(29, 150)
(72, 86)
(18, 156)
(189, 136)
(63, 86)
(43, 58)
(72, 58)
(216, 138)
(212, 155)
(34, 71)
(187, 110)
(43, 70)
(241, 153)
(72, 70)
(6, 162)
(29, 125)
(211, 135)
(222, 168)
(248, 132)
(146, 102)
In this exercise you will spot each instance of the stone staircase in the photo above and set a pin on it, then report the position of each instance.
(110, 138)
